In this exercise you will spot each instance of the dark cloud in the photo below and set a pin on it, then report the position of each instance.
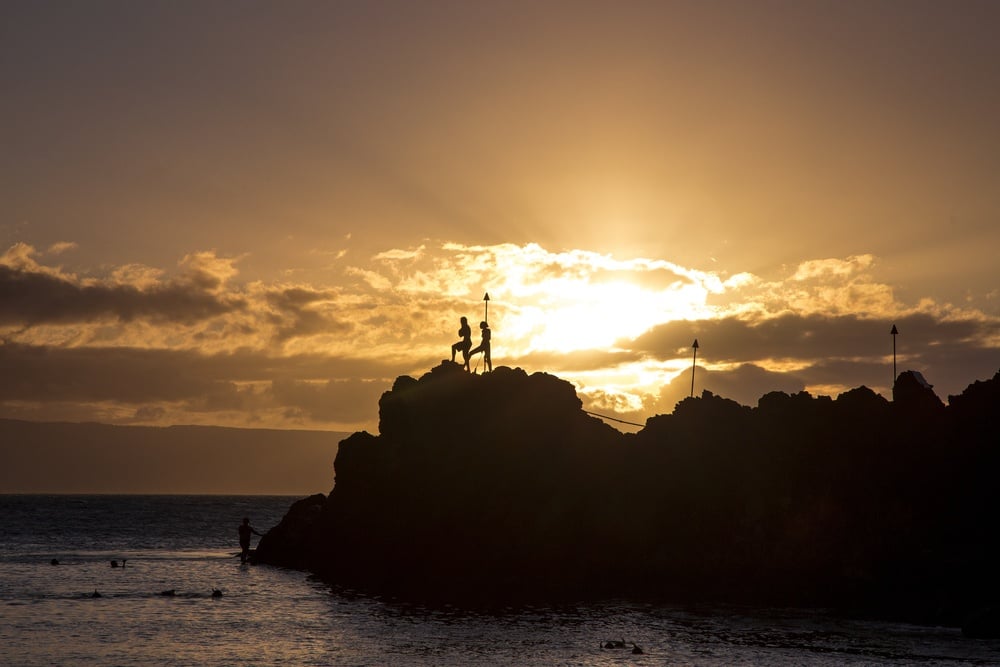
(128, 375)
(733, 340)
(332, 400)
(148, 413)
(846, 351)
(304, 323)
(809, 338)
(297, 317)
(298, 297)
(747, 383)
(31, 298)
(225, 396)
(872, 374)
(203, 278)
(201, 383)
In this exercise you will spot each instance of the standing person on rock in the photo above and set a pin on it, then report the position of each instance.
(465, 333)
(484, 347)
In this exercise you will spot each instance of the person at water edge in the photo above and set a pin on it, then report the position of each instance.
(483, 347)
(465, 333)
(246, 530)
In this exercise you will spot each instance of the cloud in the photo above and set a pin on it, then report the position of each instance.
(735, 340)
(148, 413)
(196, 345)
(832, 267)
(61, 247)
(300, 312)
(134, 375)
(21, 256)
(373, 278)
(31, 294)
(397, 254)
(206, 271)
(337, 401)
(127, 375)
(823, 287)
(291, 390)
(809, 337)
(138, 276)
(830, 354)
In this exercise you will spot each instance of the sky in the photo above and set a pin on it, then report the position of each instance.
(259, 214)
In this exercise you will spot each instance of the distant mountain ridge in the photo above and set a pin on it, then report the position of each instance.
(66, 457)
(498, 487)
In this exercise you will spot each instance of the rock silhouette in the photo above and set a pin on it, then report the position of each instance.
(499, 487)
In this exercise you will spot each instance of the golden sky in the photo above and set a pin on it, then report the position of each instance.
(259, 214)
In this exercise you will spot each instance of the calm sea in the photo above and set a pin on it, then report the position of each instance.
(270, 616)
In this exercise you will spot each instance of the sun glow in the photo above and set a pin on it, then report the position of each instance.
(561, 302)
(572, 314)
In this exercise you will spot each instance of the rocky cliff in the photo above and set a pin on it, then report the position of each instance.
(499, 487)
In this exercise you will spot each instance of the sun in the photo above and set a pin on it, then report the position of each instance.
(568, 315)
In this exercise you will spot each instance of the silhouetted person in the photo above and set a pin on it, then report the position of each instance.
(483, 347)
(246, 530)
(465, 333)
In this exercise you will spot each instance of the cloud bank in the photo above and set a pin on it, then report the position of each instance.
(194, 344)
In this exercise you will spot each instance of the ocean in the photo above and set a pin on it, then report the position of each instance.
(49, 614)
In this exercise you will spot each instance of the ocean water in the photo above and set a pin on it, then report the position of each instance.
(271, 616)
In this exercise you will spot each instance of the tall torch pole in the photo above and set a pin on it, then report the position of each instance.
(894, 332)
(694, 362)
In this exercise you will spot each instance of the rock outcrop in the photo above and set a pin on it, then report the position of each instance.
(498, 487)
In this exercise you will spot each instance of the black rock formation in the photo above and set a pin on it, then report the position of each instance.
(499, 487)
